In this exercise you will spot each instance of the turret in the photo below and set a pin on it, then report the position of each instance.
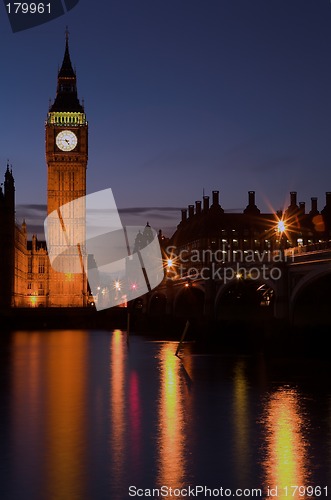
(7, 239)
(9, 190)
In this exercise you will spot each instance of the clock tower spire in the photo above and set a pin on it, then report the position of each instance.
(66, 92)
(66, 131)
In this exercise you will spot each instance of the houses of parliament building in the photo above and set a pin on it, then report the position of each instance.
(28, 280)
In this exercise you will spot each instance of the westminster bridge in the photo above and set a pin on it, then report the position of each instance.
(291, 285)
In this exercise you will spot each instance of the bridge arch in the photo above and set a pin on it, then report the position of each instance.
(189, 301)
(310, 299)
(157, 303)
(243, 299)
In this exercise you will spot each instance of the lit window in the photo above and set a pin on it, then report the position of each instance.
(41, 265)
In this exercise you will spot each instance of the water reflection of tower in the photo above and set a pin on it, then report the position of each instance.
(49, 392)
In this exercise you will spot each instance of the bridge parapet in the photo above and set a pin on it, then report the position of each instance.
(308, 253)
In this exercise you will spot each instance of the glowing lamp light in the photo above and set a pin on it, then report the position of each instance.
(133, 286)
(281, 226)
(169, 263)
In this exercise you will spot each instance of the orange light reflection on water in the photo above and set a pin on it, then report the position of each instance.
(285, 463)
(49, 385)
(172, 466)
(117, 402)
(27, 391)
(135, 418)
(241, 422)
(66, 367)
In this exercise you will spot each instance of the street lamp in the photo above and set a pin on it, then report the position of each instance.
(281, 226)
(281, 229)
(170, 267)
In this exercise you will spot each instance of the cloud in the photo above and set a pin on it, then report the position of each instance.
(31, 210)
(141, 210)
(33, 215)
(165, 218)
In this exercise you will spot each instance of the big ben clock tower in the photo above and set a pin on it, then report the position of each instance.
(66, 157)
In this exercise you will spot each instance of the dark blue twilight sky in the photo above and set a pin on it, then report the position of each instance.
(181, 96)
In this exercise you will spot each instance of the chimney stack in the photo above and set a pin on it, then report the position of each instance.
(313, 210)
(198, 207)
(328, 198)
(190, 211)
(205, 203)
(293, 198)
(302, 206)
(216, 197)
(251, 198)
(251, 207)
(184, 214)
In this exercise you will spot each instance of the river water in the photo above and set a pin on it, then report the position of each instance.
(97, 415)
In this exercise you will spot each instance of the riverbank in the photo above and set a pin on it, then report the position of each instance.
(63, 318)
(273, 338)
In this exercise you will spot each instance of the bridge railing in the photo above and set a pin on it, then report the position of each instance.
(312, 247)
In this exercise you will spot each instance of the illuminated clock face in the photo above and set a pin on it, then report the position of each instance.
(66, 140)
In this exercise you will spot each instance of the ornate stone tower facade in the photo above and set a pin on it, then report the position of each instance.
(66, 157)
